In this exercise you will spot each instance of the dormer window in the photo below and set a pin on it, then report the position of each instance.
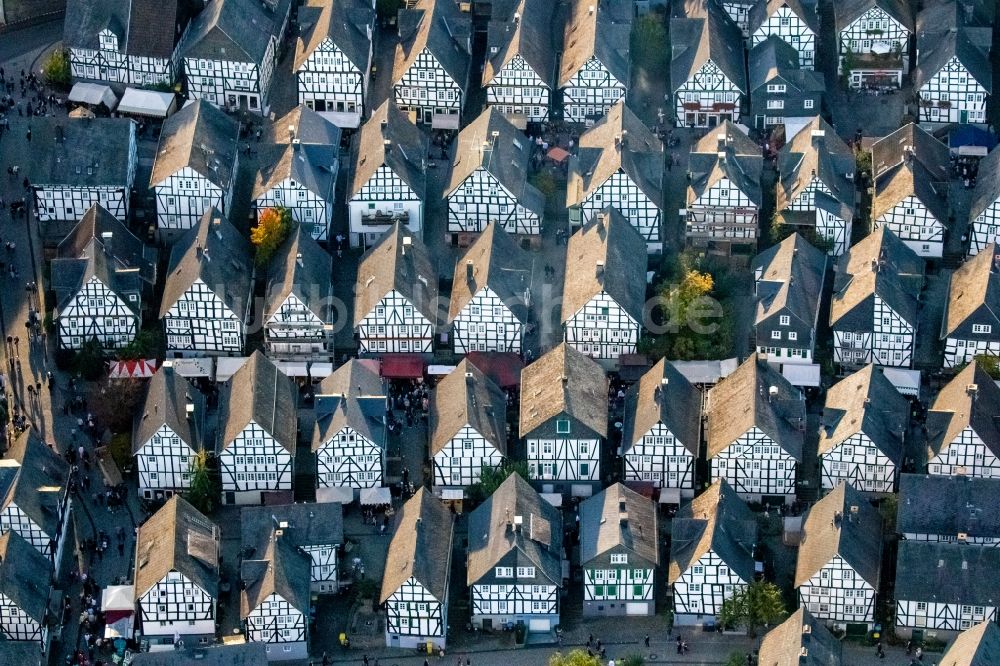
(562, 426)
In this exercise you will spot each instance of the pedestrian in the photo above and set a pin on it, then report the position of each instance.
(909, 648)
(590, 639)
(879, 652)
(365, 659)
(919, 653)
(611, 662)
(646, 640)
(680, 645)
(28, 135)
(326, 659)
(121, 553)
(598, 644)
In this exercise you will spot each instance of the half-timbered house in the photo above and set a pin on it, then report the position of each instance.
(127, 42)
(618, 163)
(315, 529)
(862, 432)
(800, 640)
(489, 305)
(221, 654)
(619, 553)
(949, 509)
(984, 208)
(298, 172)
(711, 553)
(274, 599)
(971, 323)
(388, 161)
(207, 293)
(840, 559)
(874, 39)
(978, 645)
(298, 305)
(168, 434)
(594, 69)
(395, 306)
(433, 61)
(25, 589)
(912, 170)
(467, 427)
(816, 183)
(232, 50)
(349, 439)
(782, 92)
(564, 420)
(514, 563)
(257, 432)
(873, 313)
(754, 429)
(333, 57)
(723, 193)
(661, 433)
(101, 274)
(707, 68)
(418, 573)
(963, 436)
(76, 163)
(944, 588)
(35, 497)
(602, 300)
(520, 63)
(488, 180)
(177, 556)
(195, 166)
(739, 11)
(953, 76)
(793, 22)
(788, 281)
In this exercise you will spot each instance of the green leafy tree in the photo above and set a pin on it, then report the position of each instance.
(146, 344)
(273, 227)
(991, 364)
(649, 34)
(55, 69)
(632, 659)
(757, 605)
(490, 478)
(204, 491)
(574, 658)
(89, 360)
(735, 659)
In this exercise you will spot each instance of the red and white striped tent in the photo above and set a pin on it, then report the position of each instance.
(137, 369)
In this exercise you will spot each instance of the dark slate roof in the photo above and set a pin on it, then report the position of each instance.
(467, 397)
(235, 30)
(974, 286)
(392, 264)
(37, 481)
(492, 143)
(618, 517)
(743, 400)
(807, 154)
(177, 538)
(789, 279)
(865, 402)
(801, 640)
(24, 575)
(978, 646)
(847, 11)
(911, 180)
(604, 255)
(663, 395)
(303, 268)
(564, 381)
(774, 58)
(80, 152)
(957, 407)
(718, 521)
(128, 251)
(527, 35)
(420, 547)
(706, 35)
(201, 137)
(167, 398)
(947, 505)
(302, 525)
(742, 163)
(762, 11)
(987, 189)
(217, 254)
(494, 532)
(349, 24)
(842, 523)
(947, 573)
(911, 143)
(497, 263)
(302, 146)
(389, 138)
(148, 28)
(238, 654)
(441, 28)
(601, 34)
(96, 260)
(940, 38)
(261, 393)
(283, 570)
(882, 264)
(619, 141)
(354, 395)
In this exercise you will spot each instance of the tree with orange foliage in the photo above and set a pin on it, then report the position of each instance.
(273, 226)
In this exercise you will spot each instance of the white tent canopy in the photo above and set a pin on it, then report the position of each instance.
(801, 374)
(906, 381)
(118, 597)
(93, 94)
(342, 494)
(147, 103)
(375, 496)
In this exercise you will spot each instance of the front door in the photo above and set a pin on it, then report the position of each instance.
(713, 121)
(428, 116)
(963, 116)
(702, 120)
(242, 101)
(230, 497)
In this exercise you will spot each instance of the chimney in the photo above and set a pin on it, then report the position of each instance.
(972, 390)
(296, 144)
(298, 258)
(772, 393)
(106, 237)
(470, 270)
(217, 225)
(204, 254)
(565, 380)
(188, 406)
(590, 10)
(407, 242)
(291, 132)
(600, 269)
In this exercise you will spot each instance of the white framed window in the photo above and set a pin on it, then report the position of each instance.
(785, 320)
(619, 558)
(807, 104)
(982, 328)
